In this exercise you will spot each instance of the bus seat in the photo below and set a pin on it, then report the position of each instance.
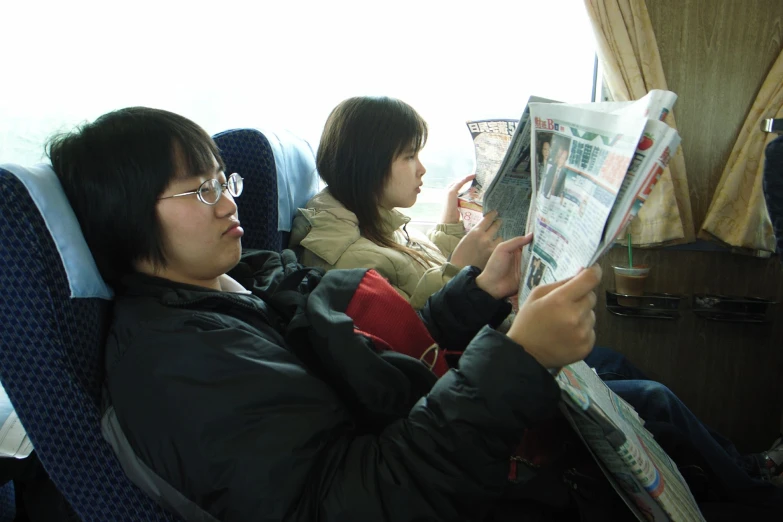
(7, 503)
(51, 357)
(280, 176)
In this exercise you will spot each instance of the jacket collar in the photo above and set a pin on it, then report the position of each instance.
(172, 292)
(392, 220)
(333, 228)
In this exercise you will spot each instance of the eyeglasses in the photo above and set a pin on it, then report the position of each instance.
(210, 191)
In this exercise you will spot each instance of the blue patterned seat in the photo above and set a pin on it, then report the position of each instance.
(51, 346)
(280, 176)
(51, 365)
(7, 503)
(248, 152)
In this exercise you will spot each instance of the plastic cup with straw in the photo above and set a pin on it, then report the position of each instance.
(630, 280)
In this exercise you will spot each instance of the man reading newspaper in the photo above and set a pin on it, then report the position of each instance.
(576, 175)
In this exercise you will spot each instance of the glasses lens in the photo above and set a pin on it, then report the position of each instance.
(209, 191)
(235, 184)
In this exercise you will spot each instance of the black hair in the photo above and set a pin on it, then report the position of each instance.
(114, 169)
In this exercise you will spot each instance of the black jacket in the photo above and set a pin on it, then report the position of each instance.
(212, 399)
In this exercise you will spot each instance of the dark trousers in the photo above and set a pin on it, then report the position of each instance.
(680, 432)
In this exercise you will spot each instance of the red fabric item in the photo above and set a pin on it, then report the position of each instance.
(379, 312)
(383, 315)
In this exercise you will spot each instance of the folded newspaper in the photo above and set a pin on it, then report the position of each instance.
(491, 140)
(636, 466)
(576, 175)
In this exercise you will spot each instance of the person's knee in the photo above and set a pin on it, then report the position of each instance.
(612, 365)
(656, 397)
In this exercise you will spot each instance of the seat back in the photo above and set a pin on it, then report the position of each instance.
(248, 152)
(51, 365)
(7, 502)
(280, 176)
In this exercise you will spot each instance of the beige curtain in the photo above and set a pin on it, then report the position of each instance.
(738, 214)
(632, 67)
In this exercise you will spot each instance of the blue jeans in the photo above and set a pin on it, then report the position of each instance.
(664, 412)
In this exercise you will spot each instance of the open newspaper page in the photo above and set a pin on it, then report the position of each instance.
(641, 472)
(655, 148)
(587, 211)
(655, 105)
(491, 140)
(650, 159)
(589, 155)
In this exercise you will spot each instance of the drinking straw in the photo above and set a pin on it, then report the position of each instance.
(630, 252)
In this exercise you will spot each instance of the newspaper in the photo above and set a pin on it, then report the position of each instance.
(640, 471)
(502, 173)
(573, 174)
(599, 160)
(491, 140)
(510, 192)
(576, 175)
(603, 160)
(651, 156)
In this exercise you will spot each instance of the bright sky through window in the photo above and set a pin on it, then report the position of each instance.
(287, 64)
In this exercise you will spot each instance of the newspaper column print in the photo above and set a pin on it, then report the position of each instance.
(587, 158)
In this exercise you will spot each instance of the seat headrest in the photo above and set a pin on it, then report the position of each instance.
(297, 180)
(44, 187)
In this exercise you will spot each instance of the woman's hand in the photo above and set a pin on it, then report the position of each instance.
(450, 211)
(500, 277)
(556, 323)
(477, 246)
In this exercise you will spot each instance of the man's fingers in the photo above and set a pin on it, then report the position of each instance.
(487, 220)
(515, 243)
(543, 290)
(590, 342)
(583, 283)
(592, 299)
(586, 303)
(494, 227)
(587, 307)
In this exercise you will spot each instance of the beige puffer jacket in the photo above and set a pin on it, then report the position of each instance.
(326, 234)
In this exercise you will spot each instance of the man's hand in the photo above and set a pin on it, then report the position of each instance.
(500, 277)
(450, 211)
(477, 246)
(556, 323)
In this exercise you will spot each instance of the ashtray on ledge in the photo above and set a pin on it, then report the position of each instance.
(649, 305)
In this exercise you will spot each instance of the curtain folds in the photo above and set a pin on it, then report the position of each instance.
(632, 67)
(738, 214)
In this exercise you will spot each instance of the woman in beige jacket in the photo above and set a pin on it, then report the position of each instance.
(369, 159)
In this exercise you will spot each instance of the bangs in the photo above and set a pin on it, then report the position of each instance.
(409, 127)
(193, 150)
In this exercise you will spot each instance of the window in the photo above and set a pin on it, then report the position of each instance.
(287, 64)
